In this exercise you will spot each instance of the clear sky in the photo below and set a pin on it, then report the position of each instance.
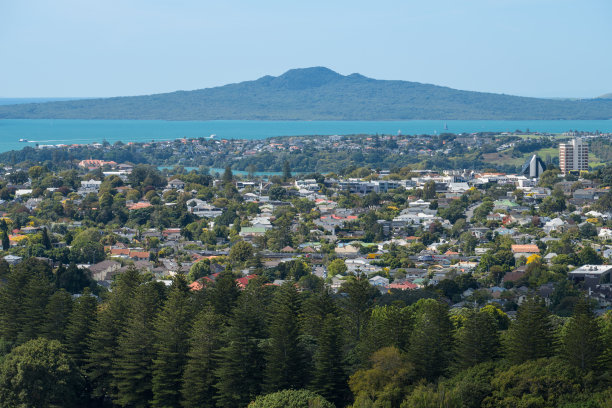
(548, 48)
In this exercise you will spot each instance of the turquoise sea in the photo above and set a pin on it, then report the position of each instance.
(52, 132)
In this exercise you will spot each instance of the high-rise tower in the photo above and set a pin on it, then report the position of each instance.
(573, 156)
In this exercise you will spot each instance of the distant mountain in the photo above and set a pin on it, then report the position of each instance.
(317, 94)
(605, 96)
(16, 101)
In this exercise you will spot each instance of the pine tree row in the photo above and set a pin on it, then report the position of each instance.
(148, 345)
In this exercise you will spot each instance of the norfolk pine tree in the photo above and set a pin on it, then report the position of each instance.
(431, 339)
(241, 361)
(132, 368)
(57, 313)
(11, 299)
(172, 327)
(6, 243)
(224, 293)
(36, 295)
(80, 324)
(199, 375)
(315, 309)
(284, 355)
(582, 342)
(329, 376)
(478, 340)
(357, 304)
(531, 335)
(109, 323)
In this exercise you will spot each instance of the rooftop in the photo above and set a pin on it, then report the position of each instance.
(592, 270)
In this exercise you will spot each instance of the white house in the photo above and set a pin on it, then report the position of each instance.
(92, 184)
(176, 184)
(22, 192)
(379, 281)
(203, 209)
(605, 233)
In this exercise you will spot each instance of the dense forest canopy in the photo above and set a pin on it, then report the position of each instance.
(145, 344)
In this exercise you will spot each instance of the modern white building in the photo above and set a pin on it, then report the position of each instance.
(592, 275)
(533, 168)
(573, 156)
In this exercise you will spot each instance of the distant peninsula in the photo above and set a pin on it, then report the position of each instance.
(318, 93)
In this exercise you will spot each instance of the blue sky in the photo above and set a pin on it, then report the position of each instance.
(548, 48)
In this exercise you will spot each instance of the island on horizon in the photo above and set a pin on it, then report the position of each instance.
(318, 93)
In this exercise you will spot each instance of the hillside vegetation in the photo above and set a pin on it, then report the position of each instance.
(317, 94)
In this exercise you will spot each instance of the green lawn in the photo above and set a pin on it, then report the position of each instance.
(595, 161)
(506, 159)
(532, 136)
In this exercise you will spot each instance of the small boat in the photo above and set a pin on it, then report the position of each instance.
(23, 140)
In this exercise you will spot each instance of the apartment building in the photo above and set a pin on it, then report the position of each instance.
(573, 156)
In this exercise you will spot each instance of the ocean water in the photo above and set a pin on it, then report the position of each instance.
(56, 131)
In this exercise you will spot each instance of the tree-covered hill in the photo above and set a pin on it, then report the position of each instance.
(317, 94)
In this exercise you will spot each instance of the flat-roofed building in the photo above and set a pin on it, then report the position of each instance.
(573, 156)
(592, 275)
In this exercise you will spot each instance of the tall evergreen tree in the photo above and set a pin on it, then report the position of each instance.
(224, 293)
(241, 361)
(59, 275)
(606, 356)
(430, 346)
(11, 299)
(284, 355)
(132, 367)
(199, 376)
(329, 377)
(6, 243)
(531, 335)
(80, 324)
(357, 304)
(56, 315)
(5, 269)
(110, 322)
(228, 176)
(35, 299)
(171, 345)
(478, 340)
(74, 279)
(286, 170)
(315, 309)
(46, 241)
(582, 342)
(387, 326)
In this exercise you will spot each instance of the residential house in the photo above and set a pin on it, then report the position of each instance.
(176, 184)
(203, 209)
(515, 275)
(104, 270)
(249, 233)
(346, 250)
(91, 185)
(404, 285)
(592, 275)
(525, 250)
(12, 259)
(379, 281)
